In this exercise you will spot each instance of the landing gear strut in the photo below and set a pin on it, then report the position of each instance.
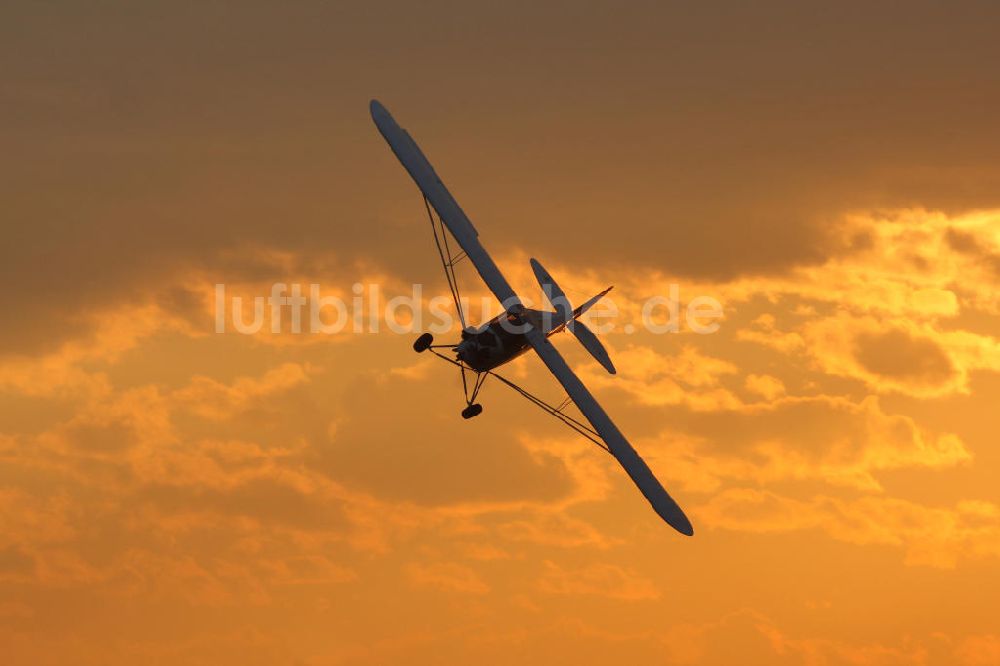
(472, 410)
(472, 407)
(471, 389)
(423, 343)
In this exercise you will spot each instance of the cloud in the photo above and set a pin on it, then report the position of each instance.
(212, 399)
(766, 386)
(447, 576)
(553, 528)
(898, 356)
(749, 635)
(976, 247)
(597, 579)
(309, 570)
(688, 378)
(916, 360)
(979, 650)
(390, 451)
(892, 314)
(832, 441)
(158, 475)
(930, 536)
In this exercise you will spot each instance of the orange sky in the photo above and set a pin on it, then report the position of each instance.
(171, 495)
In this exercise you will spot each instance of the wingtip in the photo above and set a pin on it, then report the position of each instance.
(674, 516)
(681, 524)
(376, 109)
(684, 526)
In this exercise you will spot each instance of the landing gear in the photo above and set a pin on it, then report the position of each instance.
(472, 410)
(470, 388)
(423, 343)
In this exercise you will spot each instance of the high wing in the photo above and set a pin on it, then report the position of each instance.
(440, 198)
(461, 228)
(628, 457)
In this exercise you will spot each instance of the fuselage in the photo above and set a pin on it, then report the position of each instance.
(502, 338)
(496, 342)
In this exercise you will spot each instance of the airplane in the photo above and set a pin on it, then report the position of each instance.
(517, 329)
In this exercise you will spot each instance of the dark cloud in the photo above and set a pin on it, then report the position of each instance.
(266, 500)
(399, 441)
(15, 563)
(899, 355)
(112, 438)
(705, 141)
(969, 244)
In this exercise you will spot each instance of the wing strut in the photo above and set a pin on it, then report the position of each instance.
(557, 412)
(447, 260)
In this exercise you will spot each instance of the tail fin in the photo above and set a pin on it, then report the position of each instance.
(589, 304)
(566, 317)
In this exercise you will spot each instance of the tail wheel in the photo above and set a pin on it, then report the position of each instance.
(472, 410)
(423, 343)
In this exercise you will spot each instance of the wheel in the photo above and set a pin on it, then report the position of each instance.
(472, 410)
(423, 343)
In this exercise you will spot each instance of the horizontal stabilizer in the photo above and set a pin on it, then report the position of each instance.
(592, 344)
(568, 317)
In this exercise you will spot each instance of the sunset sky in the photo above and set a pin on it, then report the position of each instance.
(827, 171)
